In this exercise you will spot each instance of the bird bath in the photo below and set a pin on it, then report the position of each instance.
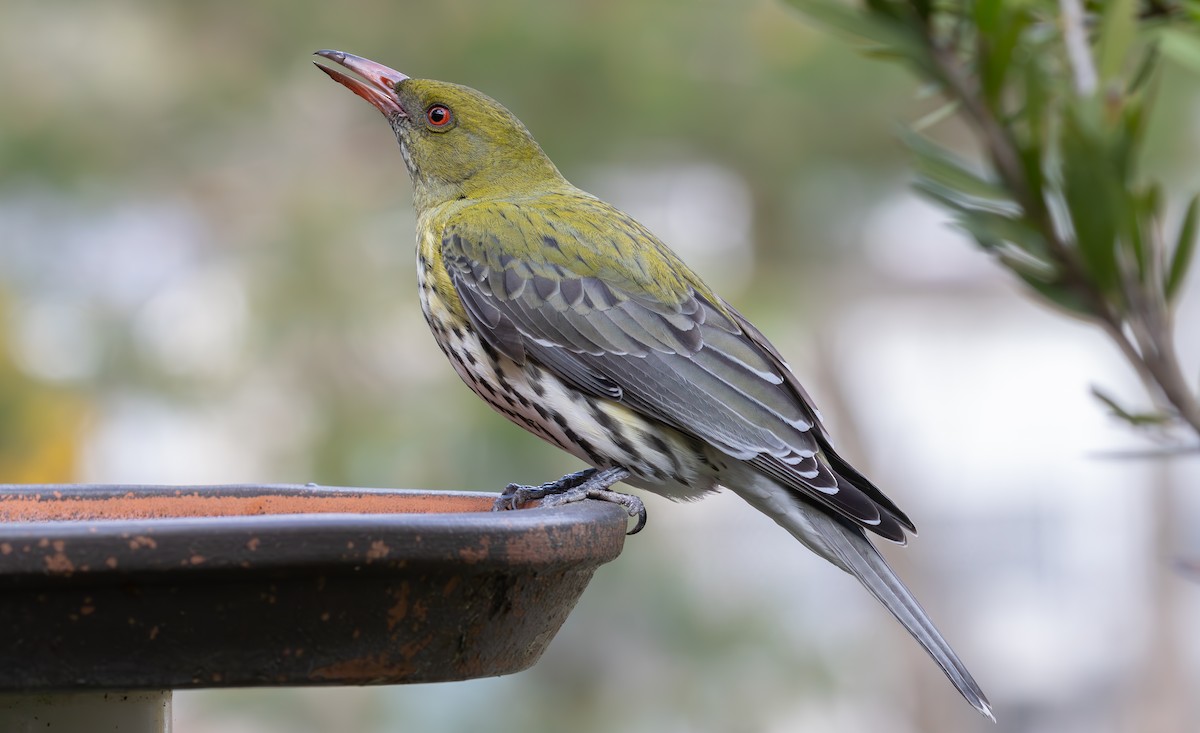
(112, 596)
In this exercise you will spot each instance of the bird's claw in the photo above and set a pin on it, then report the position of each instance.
(511, 498)
(587, 484)
(632, 504)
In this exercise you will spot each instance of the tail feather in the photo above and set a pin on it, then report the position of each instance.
(859, 557)
(847, 547)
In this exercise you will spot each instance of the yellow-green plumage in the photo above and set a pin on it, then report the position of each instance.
(587, 234)
(575, 322)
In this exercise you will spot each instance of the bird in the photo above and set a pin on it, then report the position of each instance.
(575, 322)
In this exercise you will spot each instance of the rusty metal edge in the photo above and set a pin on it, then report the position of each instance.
(96, 549)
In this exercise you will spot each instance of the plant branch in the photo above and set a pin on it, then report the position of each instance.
(1006, 158)
(1152, 351)
(1061, 206)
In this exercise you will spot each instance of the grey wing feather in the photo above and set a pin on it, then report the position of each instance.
(847, 476)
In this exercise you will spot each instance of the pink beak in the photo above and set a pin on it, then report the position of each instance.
(380, 86)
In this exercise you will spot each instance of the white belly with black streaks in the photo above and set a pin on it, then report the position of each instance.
(602, 433)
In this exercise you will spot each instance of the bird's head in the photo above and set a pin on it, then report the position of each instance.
(457, 142)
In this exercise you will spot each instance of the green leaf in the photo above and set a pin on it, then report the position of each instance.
(1181, 47)
(999, 32)
(1095, 198)
(1031, 163)
(1129, 134)
(1117, 29)
(1136, 419)
(1058, 293)
(1147, 207)
(1145, 70)
(1016, 231)
(987, 15)
(930, 119)
(942, 167)
(1025, 266)
(1184, 247)
(961, 202)
(883, 7)
(1035, 121)
(1036, 101)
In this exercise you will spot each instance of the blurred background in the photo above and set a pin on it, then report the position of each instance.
(207, 276)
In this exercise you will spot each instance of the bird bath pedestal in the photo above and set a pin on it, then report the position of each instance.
(112, 596)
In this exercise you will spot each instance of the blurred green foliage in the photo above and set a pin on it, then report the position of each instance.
(1059, 96)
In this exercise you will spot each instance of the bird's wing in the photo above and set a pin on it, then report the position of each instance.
(844, 471)
(615, 314)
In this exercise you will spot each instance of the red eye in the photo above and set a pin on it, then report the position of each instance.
(438, 115)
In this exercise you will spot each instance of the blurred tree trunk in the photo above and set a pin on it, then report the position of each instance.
(1160, 703)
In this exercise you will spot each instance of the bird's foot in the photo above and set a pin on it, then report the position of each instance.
(587, 484)
(516, 495)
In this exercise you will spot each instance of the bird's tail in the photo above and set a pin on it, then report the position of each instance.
(846, 546)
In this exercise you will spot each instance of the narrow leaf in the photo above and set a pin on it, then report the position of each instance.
(1015, 231)
(932, 118)
(1094, 196)
(1136, 419)
(1036, 98)
(961, 202)
(997, 46)
(1147, 208)
(1129, 135)
(1181, 47)
(943, 167)
(1058, 294)
(1024, 265)
(1146, 68)
(1184, 247)
(987, 15)
(1117, 30)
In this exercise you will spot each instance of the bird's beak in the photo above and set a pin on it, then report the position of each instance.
(380, 86)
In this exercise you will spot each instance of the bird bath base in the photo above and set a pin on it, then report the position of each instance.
(75, 712)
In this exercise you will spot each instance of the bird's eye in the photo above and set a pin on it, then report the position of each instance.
(438, 115)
